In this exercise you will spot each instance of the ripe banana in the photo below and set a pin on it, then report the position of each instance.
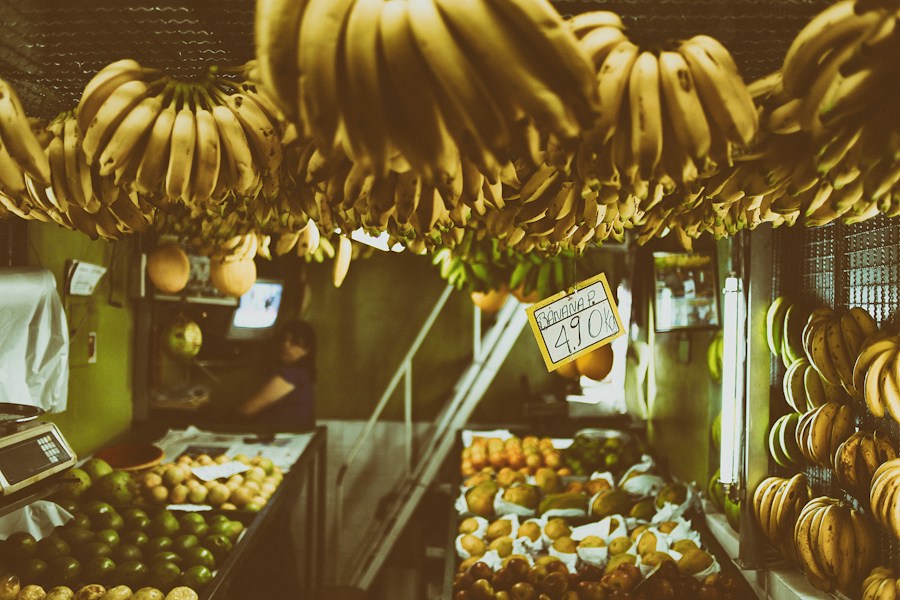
(18, 138)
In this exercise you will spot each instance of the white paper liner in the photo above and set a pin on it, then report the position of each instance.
(683, 531)
(712, 569)
(647, 570)
(594, 556)
(468, 435)
(570, 559)
(644, 486)
(39, 519)
(645, 465)
(492, 559)
(604, 475)
(569, 513)
(602, 529)
(502, 507)
(482, 527)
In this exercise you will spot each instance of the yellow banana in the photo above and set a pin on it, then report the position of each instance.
(207, 157)
(276, 33)
(342, 257)
(112, 112)
(18, 138)
(128, 134)
(181, 154)
(612, 81)
(686, 115)
(151, 172)
(646, 113)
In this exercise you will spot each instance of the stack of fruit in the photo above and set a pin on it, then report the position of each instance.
(526, 454)
(884, 497)
(880, 583)
(859, 457)
(782, 441)
(12, 589)
(833, 341)
(176, 483)
(777, 503)
(127, 546)
(835, 545)
(600, 453)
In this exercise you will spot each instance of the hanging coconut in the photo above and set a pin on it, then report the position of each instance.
(233, 278)
(169, 268)
(491, 301)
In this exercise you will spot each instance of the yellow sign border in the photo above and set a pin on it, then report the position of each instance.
(542, 345)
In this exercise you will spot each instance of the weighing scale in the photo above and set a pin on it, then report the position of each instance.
(30, 451)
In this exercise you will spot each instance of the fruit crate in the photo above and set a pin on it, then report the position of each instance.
(841, 266)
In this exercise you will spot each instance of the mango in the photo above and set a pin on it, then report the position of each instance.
(610, 502)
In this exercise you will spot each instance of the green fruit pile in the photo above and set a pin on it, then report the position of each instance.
(588, 454)
(128, 546)
(95, 479)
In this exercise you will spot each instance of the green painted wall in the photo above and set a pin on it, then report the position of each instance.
(99, 404)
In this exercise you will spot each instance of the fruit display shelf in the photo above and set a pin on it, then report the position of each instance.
(211, 550)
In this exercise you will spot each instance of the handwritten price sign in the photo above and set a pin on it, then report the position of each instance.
(567, 325)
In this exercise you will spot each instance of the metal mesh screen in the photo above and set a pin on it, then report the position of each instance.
(842, 266)
(49, 49)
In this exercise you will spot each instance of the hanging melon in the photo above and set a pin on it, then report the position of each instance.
(568, 370)
(596, 364)
(491, 301)
(233, 278)
(169, 268)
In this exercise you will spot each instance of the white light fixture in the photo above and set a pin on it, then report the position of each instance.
(733, 344)
(380, 242)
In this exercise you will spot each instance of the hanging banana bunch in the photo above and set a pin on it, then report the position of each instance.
(179, 142)
(670, 116)
(415, 85)
(840, 89)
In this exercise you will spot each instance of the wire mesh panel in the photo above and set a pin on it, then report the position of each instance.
(842, 266)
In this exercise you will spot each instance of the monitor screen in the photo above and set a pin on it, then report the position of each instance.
(257, 311)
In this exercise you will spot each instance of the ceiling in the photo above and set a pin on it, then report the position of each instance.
(49, 49)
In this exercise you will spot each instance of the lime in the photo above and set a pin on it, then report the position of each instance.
(185, 542)
(114, 487)
(32, 570)
(219, 545)
(110, 521)
(196, 577)
(20, 544)
(98, 569)
(157, 544)
(191, 518)
(217, 518)
(127, 552)
(164, 575)
(234, 530)
(63, 570)
(97, 507)
(163, 523)
(165, 556)
(76, 536)
(135, 538)
(75, 483)
(109, 536)
(94, 549)
(135, 518)
(198, 529)
(79, 520)
(199, 556)
(132, 573)
(52, 547)
(96, 468)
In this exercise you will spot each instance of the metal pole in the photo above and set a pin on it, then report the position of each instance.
(407, 415)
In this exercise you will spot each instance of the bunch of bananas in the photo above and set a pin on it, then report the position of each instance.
(777, 503)
(804, 389)
(875, 375)
(189, 142)
(669, 116)
(881, 585)
(884, 498)
(858, 458)
(414, 85)
(19, 147)
(782, 441)
(835, 544)
(833, 340)
(838, 104)
(822, 430)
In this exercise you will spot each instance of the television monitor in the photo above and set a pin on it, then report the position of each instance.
(257, 311)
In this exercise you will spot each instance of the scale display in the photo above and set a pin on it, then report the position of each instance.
(30, 455)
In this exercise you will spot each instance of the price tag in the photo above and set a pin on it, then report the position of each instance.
(222, 471)
(567, 325)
